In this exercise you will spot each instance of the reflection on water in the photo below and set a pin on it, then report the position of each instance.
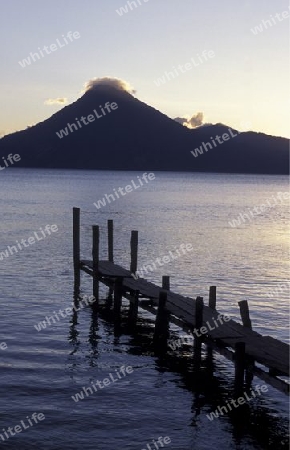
(203, 373)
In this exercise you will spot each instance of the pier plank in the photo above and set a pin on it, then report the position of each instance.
(107, 269)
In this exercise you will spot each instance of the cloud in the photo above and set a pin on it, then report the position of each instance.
(55, 101)
(191, 122)
(197, 120)
(116, 83)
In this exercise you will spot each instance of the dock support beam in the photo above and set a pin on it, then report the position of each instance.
(240, 364)
(198, 325)
(134, 251)
(111, 240)
(198, 312)
(76, 248)
(95, 251)
(212, 297)
(118, 288)
(245, 314)
(166, 283)
(161, 331)
(110, 228)
(133, 310)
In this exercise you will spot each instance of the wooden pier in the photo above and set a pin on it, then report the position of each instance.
(239, 343)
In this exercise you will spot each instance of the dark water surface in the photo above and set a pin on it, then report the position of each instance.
(163, 396)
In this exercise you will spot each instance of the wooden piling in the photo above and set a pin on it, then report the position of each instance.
(118, 287)
(111, 240)
(76, 247)
(73, 333)
(109, 299)
(134, 251)
(212, 297)
(133, 310)
(198, 340)
(95, 252)
(245, 314)
(240, 364)
(166, 283)
(161, 331)
(198, 312)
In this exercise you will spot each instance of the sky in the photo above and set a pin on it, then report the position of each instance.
(243, 84)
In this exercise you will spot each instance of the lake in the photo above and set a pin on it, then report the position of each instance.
(238, 227)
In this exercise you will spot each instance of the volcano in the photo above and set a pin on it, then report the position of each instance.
(135, 136)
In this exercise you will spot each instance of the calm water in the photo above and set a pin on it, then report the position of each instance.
(40, 371)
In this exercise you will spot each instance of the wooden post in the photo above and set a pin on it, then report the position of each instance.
(76, 302)
(76, 247)
(161, 331)
(198, 325)
(212, 297)
(198, 312)
(73, 333)
(240, 363)
(133, 310)
(109, 298)
(95, 252)
(245, 315)
(118, 286)
(166, 283)
(134, 251)
(110, 240)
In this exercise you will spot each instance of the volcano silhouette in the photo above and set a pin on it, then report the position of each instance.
(136, 136)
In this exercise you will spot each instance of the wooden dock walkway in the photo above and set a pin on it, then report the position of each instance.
(239, 343)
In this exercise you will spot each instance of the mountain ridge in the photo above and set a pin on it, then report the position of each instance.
(136, 136)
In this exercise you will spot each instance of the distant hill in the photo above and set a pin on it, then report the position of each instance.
(136, 136)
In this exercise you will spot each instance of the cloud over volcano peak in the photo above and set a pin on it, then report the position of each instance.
(116, 83)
